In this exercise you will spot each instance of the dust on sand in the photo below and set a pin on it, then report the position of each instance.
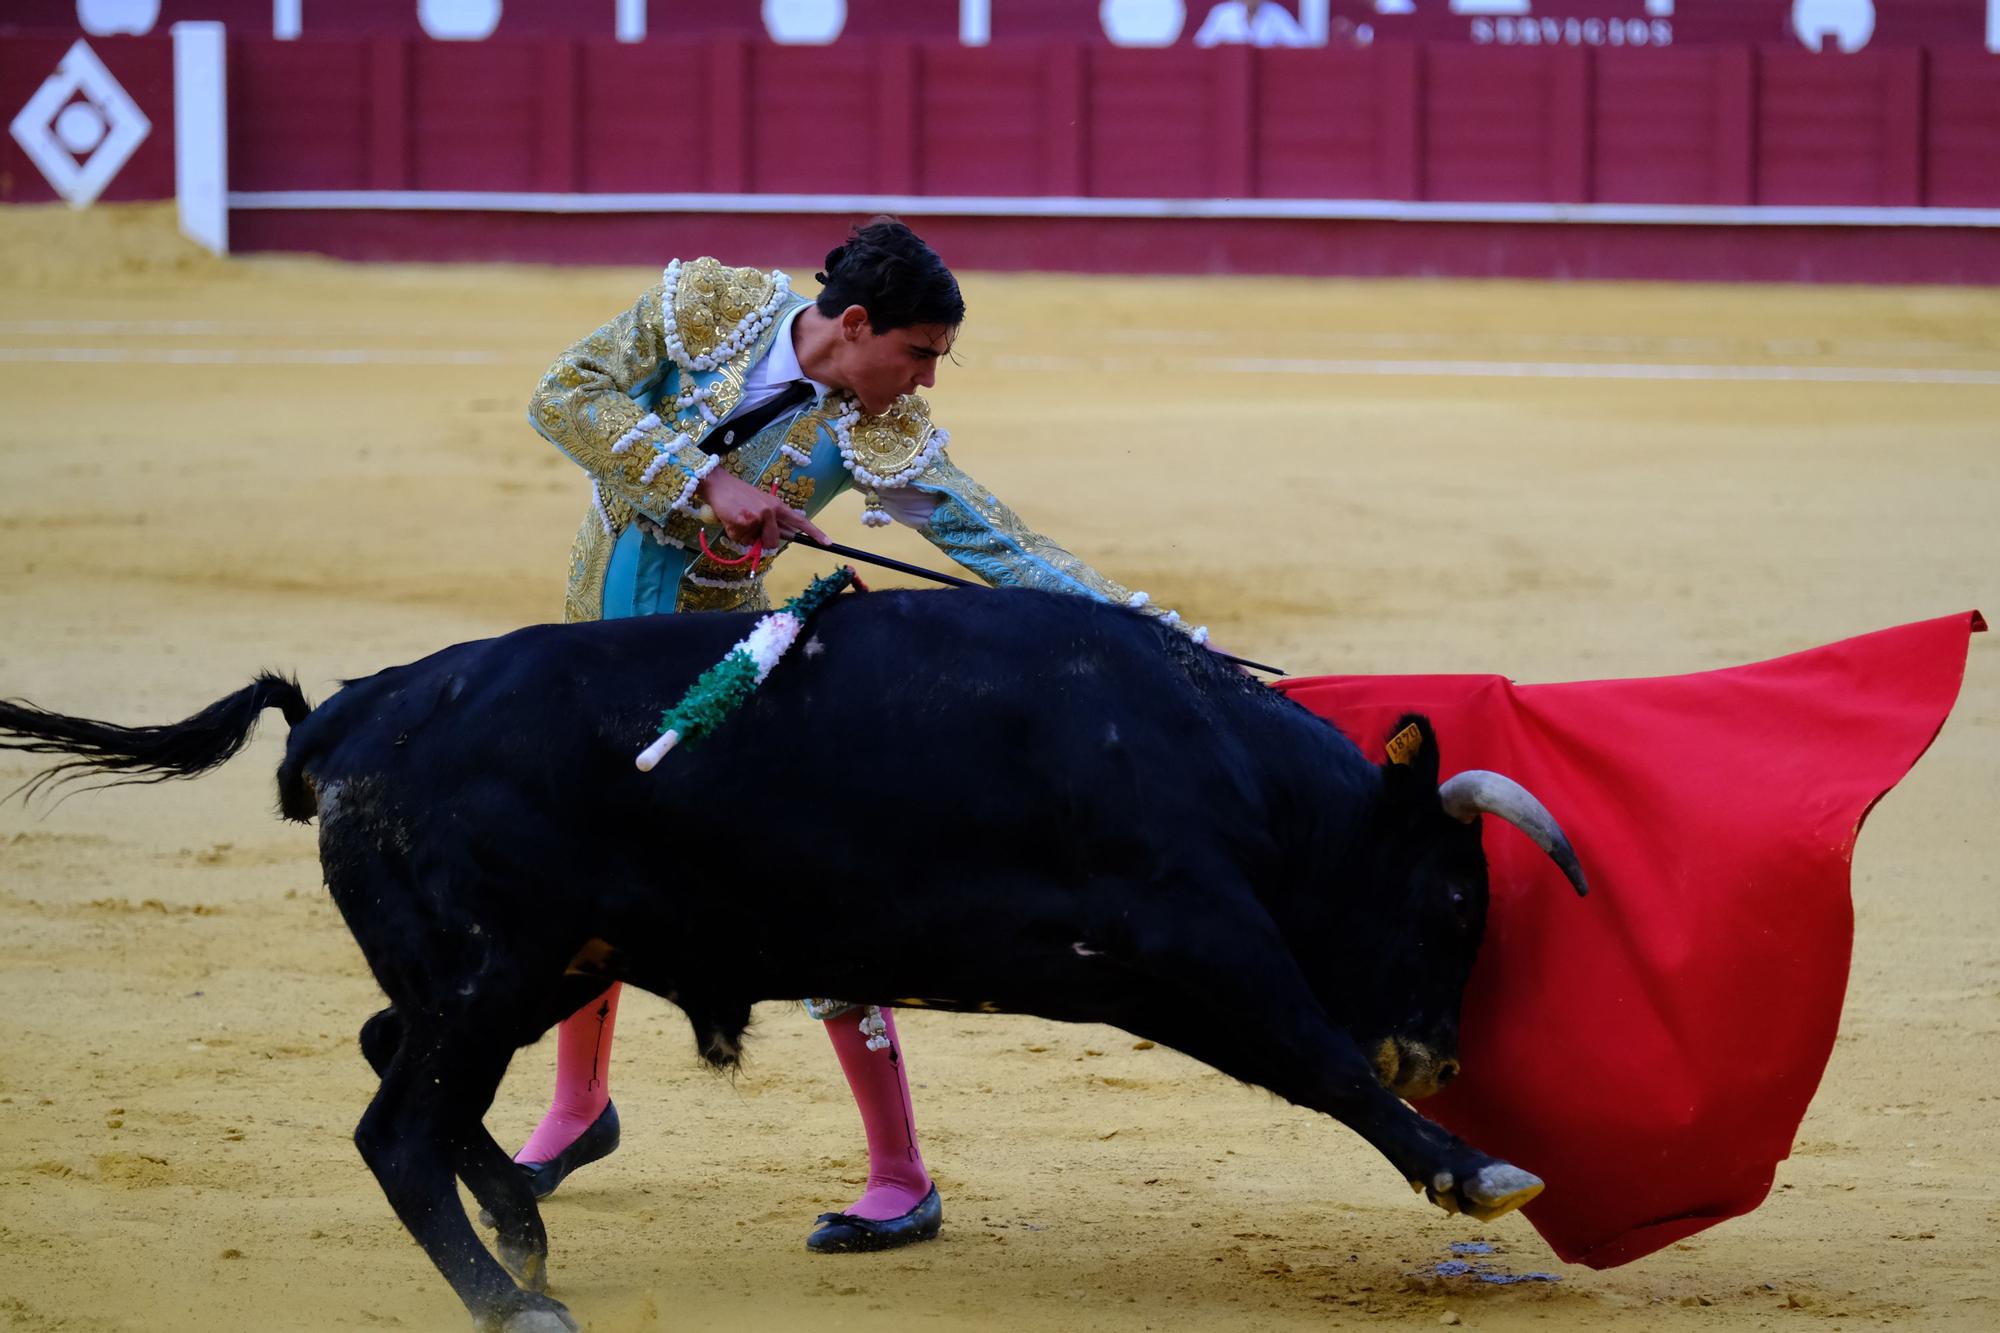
(210, 467)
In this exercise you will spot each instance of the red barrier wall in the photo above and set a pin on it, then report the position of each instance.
(1695, 125)
(1153, 245)
(1452, 123)
(1961, 148)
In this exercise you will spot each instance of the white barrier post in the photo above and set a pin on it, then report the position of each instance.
(630, 20)
(975, 22)
(201, 134)
(1313, 20)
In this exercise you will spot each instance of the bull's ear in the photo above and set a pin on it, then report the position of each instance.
(1412, 750)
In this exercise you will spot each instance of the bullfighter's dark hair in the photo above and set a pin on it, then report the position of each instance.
(887, 270)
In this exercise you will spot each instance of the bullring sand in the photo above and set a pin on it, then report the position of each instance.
(208, 467)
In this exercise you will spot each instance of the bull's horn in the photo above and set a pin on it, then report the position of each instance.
(1477, 790)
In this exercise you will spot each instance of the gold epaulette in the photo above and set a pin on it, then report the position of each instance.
(888, 452)
(887, 446)
(719, 311)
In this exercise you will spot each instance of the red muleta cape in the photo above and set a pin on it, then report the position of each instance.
(1650, 1050)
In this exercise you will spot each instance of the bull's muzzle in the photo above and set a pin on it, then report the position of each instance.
(1411, 1069)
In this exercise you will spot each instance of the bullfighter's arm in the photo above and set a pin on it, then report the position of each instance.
(584, 407)
(971, 525)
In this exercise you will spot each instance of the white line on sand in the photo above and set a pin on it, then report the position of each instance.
(1546, 370)
(1234, 365)
(251, 356)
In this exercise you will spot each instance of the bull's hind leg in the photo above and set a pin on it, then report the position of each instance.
(507, 1204)
(422, 1125)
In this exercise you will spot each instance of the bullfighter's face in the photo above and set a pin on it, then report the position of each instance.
(879, 368)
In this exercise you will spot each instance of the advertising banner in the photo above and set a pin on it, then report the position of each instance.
(86, 121)
(1819, 25)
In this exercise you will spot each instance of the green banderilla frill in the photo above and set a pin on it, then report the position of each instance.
(722, 688)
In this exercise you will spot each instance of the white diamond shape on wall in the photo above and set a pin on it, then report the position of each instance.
(80, 145)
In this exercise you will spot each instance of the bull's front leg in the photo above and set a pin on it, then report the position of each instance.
(1260, 1022)
(1453, 1174)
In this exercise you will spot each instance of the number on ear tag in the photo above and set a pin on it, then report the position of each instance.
(1403, 746)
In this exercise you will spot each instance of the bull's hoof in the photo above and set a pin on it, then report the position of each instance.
(541, 1321)
(526, 1264)
(1495, 1191)
(529, 1313)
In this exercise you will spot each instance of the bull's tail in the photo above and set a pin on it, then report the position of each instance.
(145, 754)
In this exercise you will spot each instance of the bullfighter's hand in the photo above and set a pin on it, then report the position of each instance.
(752, 517)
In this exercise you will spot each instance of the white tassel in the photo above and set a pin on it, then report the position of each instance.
(875, 518)
(646, 424)
(683, 501)
(740, 582)
(873, 1028)
(658, 533)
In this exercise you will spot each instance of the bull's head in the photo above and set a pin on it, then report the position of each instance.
(1427, 913)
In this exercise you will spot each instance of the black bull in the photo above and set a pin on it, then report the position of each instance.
(1062, 808)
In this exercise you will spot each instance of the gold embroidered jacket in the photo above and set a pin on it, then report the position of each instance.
(631, 402)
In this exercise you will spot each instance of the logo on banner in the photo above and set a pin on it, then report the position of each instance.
(805, 22)
(1514, 23)
(111, 18)
(458, 20)
(1850, 23)
(1142, 22)
(80, 127)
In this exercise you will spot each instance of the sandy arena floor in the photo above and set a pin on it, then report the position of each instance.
(207, 468)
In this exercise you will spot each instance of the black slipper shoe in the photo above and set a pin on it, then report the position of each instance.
(600, 1140)
(840, 1233)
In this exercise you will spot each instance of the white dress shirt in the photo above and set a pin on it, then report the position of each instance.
(780, 366)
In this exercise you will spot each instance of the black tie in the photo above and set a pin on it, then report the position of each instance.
(738, 431)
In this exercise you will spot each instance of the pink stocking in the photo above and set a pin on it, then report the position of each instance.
(583, 1077)
(897, 1181)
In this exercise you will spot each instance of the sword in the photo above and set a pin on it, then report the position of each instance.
(953, 581)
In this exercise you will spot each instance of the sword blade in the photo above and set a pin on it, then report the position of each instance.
(901, 567)
(953, 581)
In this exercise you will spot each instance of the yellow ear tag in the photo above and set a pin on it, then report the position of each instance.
(1403, 746)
